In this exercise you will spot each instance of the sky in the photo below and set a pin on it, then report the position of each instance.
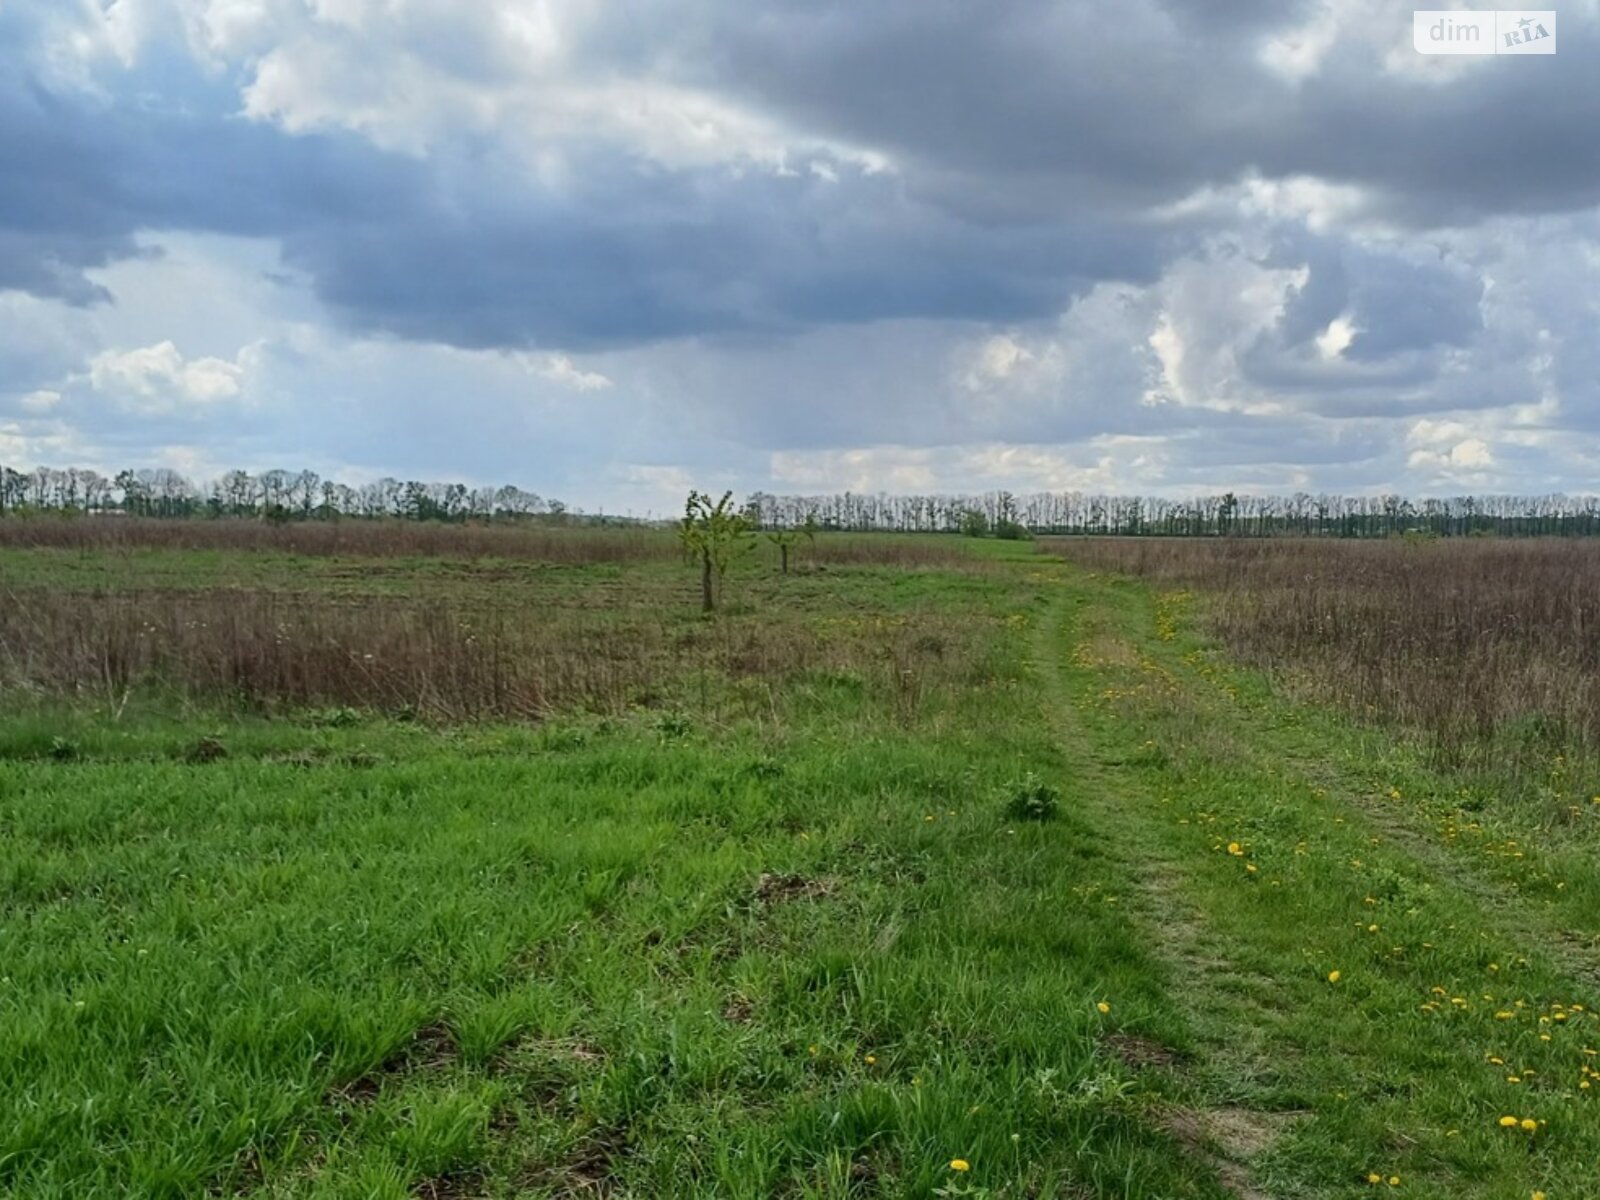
(609, 252)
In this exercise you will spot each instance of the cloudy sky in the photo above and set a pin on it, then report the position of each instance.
(606, 251)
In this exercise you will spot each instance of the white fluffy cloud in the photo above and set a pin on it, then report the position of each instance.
(558, 368)
(158, 379)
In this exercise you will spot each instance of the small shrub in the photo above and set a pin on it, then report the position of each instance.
(1033, 800)
(673, 725)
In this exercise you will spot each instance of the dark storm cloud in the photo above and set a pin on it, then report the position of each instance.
(450, 249)
(1402, 303)
(710, 254)
(1141, 103)
(1027, 139)
(82, 177)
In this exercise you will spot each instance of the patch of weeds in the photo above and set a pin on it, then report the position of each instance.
(340, 717)
(673, 725)
(62, 749)
(1032, 799)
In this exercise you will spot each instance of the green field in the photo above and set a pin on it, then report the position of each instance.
(755, 904)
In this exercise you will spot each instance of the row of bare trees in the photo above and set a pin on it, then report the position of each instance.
(282, 495)
(304, 495)
(1223, 515)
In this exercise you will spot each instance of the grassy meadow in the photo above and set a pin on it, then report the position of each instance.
(361, 862)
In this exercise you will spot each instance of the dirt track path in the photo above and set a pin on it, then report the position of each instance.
(1363, 1000)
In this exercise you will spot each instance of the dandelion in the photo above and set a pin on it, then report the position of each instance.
(1508, 1122)
(1529, 1125)
(960, 1164)
(1103, 1007)
(1394, 1181)
(1374, 1177)
(872, 1060)
(1333, 976)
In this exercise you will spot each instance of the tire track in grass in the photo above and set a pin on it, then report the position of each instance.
(1510, 912)
(1326, 968)
(1293, 740)
(1227, 1136)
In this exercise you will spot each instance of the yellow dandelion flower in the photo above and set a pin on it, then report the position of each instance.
(960, 1164)
(1103, 1007)
(1374, 1177)
(1508, 1122)
(1333, 976)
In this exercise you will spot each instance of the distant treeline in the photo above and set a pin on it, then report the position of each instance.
(273, 495)
(1226, 515)
(304, 495)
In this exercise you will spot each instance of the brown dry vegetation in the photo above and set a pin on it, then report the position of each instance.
(1488, 645)
(385, 538)
(351, 538)
(469, 640)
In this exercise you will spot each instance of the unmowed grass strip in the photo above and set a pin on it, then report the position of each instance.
(527, 541)
(1333, 975)
(357, 538)
(490, 641)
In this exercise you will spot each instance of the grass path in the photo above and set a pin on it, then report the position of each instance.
(1363, 1003)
